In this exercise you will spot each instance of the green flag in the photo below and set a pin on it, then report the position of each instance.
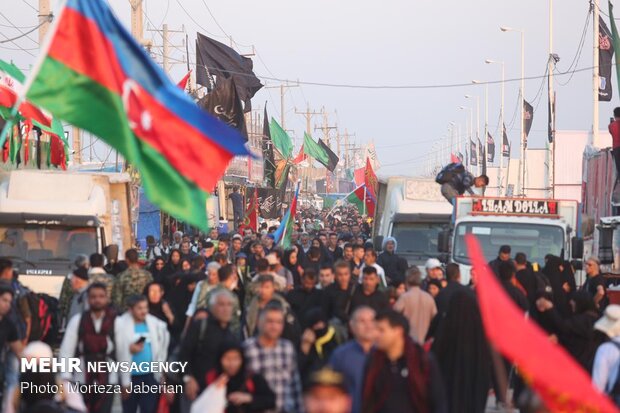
(280, 139)
(313, 149)
(615, 39)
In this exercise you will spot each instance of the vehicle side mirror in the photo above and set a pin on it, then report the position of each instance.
(576, 248)
(605, 245)
(443, 241)
(577, 265)
(378, 241)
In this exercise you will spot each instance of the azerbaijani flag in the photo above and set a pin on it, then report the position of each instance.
(11, 83)
(361, 195)
(95, 76)
(283, 234)
(561, 383)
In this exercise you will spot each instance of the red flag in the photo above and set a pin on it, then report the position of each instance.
(359, 176)
(251, 215)
(183, 82)
(301, 156)
(557, 378)
(454, 158)
(370, 178)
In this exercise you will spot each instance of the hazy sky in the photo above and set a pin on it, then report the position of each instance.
(392, 42)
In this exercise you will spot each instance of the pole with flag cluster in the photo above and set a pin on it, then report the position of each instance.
(283, 234)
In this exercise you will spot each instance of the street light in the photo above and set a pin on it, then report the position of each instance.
(477, 129)
(471, 121)
(501, 122)
(522, 168)
(486, 118)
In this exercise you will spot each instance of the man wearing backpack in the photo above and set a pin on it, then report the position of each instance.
(455, 180)
(90, 335)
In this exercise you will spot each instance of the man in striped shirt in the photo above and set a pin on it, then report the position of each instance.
(275, 359)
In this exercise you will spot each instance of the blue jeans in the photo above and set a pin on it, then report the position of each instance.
(146, 401)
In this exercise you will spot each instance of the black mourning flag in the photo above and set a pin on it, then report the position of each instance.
(473, 154)
(505, 143)
(269, 166)
(605, 56)
(215, 58)
(223, 103)
(333, 158)
(490, 148)
(528, 118)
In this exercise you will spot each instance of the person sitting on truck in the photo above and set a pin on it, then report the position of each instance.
(614, 130)
(393, 265)
(455, 180)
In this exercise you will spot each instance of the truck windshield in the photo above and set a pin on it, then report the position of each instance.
(417, 238)
(40, 243)
(535, 241)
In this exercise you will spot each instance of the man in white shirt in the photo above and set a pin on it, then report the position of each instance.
(89, 336)
(370, 260)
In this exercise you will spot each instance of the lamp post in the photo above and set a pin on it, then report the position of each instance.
(501, 122)
(471, 121)
(477, 129)
(521, 180)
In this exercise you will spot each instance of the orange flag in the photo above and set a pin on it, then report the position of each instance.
(370, 178)
(561, 383)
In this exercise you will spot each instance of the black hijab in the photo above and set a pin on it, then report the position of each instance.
(463, 354)
(553, 271)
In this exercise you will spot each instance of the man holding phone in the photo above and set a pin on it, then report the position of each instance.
(614, 130)
(140, 338)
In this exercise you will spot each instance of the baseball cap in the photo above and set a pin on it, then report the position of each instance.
(327, 377)
(237, 236)
(432, 263)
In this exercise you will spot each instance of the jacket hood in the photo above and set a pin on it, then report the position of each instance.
(388, 239)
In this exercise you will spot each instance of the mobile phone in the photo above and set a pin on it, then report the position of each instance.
(611, 120)
(141, 340)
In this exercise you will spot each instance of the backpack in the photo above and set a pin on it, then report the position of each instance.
(614, 393)
(41, 315)
(51, 320)
(449, 172)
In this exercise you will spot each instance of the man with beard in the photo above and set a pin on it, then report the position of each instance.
(400, 376)
(90, 336)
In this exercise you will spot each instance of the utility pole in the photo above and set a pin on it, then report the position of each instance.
(137, 23)
(346, 135)
(552, 62)
(283, 88)
(165, 35)
(308, 114)
(45, 17)
(595, 71)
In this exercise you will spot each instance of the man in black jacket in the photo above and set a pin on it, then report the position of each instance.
(369, 295)
(502, 256)
(393, 265)
(306, 297)
(338, 295)
(201, 344)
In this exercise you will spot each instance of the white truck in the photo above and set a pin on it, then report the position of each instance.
(48, 218)
(413, 211)
(536, 227)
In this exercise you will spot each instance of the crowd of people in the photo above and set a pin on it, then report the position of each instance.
(330, 325)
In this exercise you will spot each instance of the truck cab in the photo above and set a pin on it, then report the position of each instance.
(48, 218)
(414, 212)
(536, 227)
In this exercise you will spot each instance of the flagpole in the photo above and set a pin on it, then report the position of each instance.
(21, 96)
(364, 201)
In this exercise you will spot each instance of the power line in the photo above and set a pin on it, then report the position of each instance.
(30, 5)
(358, 86)
(24, 34)
(195, 22)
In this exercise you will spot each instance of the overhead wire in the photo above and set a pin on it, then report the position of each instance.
(27, 35)
(23, 34)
